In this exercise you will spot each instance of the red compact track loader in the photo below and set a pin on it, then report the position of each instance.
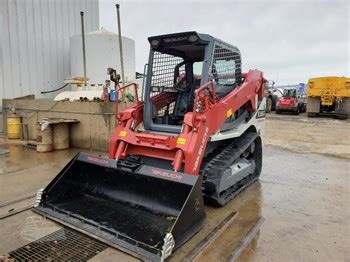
(195, 137)
(291, 101)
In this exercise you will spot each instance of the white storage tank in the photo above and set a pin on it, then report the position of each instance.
(102, 51)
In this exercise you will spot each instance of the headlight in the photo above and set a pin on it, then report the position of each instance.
(155, 43)
(193, 38)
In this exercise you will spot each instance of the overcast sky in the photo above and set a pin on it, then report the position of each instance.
(290, 41)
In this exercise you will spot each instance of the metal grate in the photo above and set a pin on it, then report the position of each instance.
(162, 82)
(163, 70)
(225, 64)
(62, 245)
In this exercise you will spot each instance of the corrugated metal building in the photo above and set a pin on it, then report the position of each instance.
(34, 42)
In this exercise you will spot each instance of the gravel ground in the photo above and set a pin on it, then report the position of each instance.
(300, 134)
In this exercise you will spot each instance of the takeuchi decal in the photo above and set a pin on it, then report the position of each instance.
(166, 174)
(97, 160)
(201, 149)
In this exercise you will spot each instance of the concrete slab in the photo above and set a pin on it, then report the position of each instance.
(96, 119)
(24, 171)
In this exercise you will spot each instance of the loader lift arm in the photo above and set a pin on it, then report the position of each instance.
(208, 115)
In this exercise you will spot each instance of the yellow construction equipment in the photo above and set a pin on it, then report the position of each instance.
(329, 96)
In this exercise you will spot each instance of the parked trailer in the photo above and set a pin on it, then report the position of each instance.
(329, 96)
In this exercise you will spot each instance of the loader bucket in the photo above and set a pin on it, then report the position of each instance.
(142, 210)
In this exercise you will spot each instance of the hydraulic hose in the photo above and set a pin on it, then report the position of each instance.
(51, 91)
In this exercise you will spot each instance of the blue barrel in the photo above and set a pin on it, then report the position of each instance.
(112, 96)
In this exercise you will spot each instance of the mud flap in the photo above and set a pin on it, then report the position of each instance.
(145, 211)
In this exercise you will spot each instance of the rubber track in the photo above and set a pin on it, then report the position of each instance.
(215, 163)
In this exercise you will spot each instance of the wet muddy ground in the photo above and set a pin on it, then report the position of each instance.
(303, 195)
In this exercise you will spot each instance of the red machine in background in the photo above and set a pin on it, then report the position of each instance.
(291, 101)
(192, 138)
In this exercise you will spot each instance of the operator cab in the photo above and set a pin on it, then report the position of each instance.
(178, 65)
(289, 93)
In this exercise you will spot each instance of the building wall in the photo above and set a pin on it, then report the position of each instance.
(34, 43)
